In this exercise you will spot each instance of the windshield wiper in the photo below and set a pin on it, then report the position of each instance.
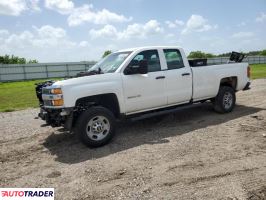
(89, 73)
(100, 71)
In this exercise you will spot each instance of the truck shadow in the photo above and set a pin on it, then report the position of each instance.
(150, 131)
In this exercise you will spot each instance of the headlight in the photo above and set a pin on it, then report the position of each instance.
(53, 97)
(58, 102)
(56, 91)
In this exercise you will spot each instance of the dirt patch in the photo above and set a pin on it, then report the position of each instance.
(191, 154)
(259, 194)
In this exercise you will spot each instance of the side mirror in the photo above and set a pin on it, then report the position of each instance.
(143, 67)
(137, 67)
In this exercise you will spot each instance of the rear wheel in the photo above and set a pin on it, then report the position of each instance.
(96, 126)
(225, 100)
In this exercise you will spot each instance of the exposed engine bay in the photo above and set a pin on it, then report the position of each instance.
(59, 117)
(52, 117)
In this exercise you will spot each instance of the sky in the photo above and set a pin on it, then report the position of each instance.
(81, 30)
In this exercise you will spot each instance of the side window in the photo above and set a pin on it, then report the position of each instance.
(173, 58)
(152, 58)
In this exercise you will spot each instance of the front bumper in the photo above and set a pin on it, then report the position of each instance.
(57, 117)
(247, 86)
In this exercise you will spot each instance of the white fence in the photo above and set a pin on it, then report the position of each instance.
(249, 59)
(52, 70)
(10, 72)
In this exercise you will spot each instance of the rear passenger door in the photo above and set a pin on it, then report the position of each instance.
(178, 78)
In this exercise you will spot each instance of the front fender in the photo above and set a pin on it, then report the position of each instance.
(73, 92)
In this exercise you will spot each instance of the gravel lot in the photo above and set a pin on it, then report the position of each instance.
(191, 154)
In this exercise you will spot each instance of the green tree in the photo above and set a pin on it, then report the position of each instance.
(7, 59)
(263, 52)
(33, 61)
(106, 53)
(210, 55)
(200, 54)
(21, 61)
(196, 54)
(225, 54)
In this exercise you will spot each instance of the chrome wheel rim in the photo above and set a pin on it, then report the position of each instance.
(227, 100)
(98, 128)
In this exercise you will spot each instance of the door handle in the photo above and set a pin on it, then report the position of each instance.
(185, 74)
(160, 77)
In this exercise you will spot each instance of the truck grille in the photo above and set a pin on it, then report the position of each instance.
(46, 91)
(47, 103)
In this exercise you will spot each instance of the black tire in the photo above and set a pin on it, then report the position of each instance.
(225, 100)
(87, 133)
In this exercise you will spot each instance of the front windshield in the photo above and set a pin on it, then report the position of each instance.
(110, 63)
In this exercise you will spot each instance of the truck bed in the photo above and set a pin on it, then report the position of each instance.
(206, 79)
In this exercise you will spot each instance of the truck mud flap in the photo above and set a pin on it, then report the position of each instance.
(247, 86)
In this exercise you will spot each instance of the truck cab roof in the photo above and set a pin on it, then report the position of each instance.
(149, 47)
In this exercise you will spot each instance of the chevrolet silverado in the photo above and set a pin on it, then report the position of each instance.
(137, 82)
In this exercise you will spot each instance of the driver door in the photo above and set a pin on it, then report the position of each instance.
(144, 91)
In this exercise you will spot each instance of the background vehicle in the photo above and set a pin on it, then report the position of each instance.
(138, 82)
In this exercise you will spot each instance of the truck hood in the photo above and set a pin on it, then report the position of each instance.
(76, 88)
(87, 79)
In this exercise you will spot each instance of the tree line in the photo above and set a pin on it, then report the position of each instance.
(7, 59)
(200, 54)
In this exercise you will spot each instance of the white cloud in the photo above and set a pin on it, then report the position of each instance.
(49, 36)
(48, 31)
(135, 30)
(107, 31)
(179, 22)
(44, 37)
(61, 6)
(86, 14)
(170, 24)
(241, 35)
(174, 24)
(84, 44)
(12, 7)
(33, 5)
(242, 24)
(170, 35)
(19, 41)
(261, 17)
(152, 27)
(3, 32)
(46, 43)
(16, 7)
(197, 23)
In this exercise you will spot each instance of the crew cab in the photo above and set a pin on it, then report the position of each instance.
(136, 82)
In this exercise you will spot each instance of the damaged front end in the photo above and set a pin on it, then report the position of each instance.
(51, 105)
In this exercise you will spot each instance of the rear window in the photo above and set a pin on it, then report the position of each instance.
(173, 58)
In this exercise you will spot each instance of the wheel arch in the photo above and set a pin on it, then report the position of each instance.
(108, 100)
(229, 81)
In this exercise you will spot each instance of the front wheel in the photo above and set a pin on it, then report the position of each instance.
(96, 126)
(225, 100)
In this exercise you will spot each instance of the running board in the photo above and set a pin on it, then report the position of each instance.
(163, 112)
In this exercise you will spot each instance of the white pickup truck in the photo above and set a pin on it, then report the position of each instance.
(136, 82)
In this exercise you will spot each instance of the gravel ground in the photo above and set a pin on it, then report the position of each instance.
(191, 154)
